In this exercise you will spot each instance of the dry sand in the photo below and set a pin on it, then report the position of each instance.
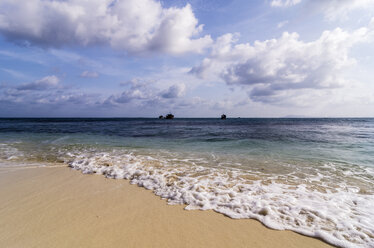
(60, 207)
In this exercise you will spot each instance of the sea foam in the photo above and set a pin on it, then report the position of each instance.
(330, 202)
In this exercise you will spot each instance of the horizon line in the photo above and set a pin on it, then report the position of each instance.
(218, 117)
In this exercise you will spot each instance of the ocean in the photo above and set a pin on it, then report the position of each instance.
(312, 176)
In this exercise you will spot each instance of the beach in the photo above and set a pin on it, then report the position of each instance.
(61, 207)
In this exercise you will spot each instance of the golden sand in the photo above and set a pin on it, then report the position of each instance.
(60, 207)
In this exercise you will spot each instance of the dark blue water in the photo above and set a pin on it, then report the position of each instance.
(346, 140)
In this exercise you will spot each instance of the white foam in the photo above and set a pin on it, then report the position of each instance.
(320, 204)
(8, 152)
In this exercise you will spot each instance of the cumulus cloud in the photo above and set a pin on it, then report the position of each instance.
(89, 74)
(134, 26)
(46, 92)
(45, 83)
(138, 91)
(174, 91)
(140, 98)
(271, 69)
(145, 92)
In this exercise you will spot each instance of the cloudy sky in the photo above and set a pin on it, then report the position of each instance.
(198, 58)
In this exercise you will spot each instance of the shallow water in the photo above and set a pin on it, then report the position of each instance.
(313, 176)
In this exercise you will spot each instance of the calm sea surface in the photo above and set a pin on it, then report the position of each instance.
(313, 176)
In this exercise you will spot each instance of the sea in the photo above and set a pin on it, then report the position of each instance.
(312, 176)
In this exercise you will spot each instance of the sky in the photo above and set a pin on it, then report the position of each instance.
(198, 58)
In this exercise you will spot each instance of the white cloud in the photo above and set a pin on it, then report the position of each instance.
(331, 9)
(45, 83)
(139, 90)
(144, 92)
(89, 74)
(339, 9)
(174, 91)
(134, 26)
(273, 70)
(46, 97)
(282, 24)
(284, 3)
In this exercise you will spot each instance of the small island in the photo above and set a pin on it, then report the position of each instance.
(168, 116)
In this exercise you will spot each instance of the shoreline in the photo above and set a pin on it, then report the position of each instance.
(61, 207)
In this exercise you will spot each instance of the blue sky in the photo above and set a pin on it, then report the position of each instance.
(199, 58)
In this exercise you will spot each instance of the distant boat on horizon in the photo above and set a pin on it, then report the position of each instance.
(223, 117)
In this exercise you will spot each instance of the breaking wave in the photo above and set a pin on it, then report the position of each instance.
(330, 201)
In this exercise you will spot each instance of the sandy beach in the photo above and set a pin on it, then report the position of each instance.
(60, 207)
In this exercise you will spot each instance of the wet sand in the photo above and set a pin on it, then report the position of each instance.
(60, 207)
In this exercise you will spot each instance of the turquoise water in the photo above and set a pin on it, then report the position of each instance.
(312, 176)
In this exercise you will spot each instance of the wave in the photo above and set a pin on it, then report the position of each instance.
(332, 202)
